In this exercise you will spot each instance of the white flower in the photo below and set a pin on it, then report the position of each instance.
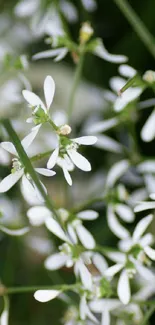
(18, 169)
(102, 52)
(39, 215)
(40, 110)
(139, 242)
(85, 311)
(104, 307)
(66, 155)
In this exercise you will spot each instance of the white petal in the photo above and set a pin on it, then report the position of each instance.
(4, 319)
(53, 226)
(111, 271)
(148, 130)
(14, 232)
(125, 244)
(26, 142)
(123, 288)
(144, 206)
(116, 172)
(152, 196)
(106, 143)
(50, 53)
(49, 90)
(61, 55)
(55, 261)
(46, 295)
(146, 240)
(116, 83)
(141, 227)
(105, 317)
(102, 52)
(127, 71)
(8, 146)
(147, 167)
(89, 5)
(103, 125)
(128, 96)
(150, 252)
(79, 161)
(72, 234)
(87, 140)
(85, 237)
(85, 275)
(100, 262)
(145, 273)
(83, 308)
(53, 159)
(33, 99)
(117, 257)
(30, 192)
(87, 215)
(37, 215)
(115, 226)
(124, 212)
(67, 175)
(10, 180)
(45, 172)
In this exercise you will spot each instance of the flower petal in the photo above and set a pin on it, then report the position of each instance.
(33, 99)
(87, 215)
(124, 212)
(87, 140)
(50, 53)
(10, 180)
(102, 52)
(37, 215)
(26, 142)
(49, 90)
(46, 295)
(85, 237)
(105, 317)
(8, 146)
(55, 261)
(79, 161)
(66, 174)
(141, 227)
(111, 271)
(123, 288)
(106, 143)
(116, 172)
(142, 206)
(103, 126)
(100, 263)
(45, 172)
(150, 252)
(148, 130)
(53, 226)
(115, 226)
(53, 159)
(85, 275)
(126, 71)
(72, 233)
(14, 232)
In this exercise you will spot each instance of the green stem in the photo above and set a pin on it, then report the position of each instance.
(28, 165)
(41, 155)
(148, 315)
(15, 290)
(137, 24)
(54, 127)
(75, 85)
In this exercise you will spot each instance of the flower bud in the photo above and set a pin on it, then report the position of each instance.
(86, 32)
(149, 76)
(64, 130)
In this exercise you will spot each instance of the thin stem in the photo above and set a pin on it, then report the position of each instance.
(41, 156)
(137, 24)
(148, 315)
(75, 85)
(28, 165)
(54, 127)
(15, 290)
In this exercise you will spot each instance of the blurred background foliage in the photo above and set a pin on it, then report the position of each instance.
(20, 264)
